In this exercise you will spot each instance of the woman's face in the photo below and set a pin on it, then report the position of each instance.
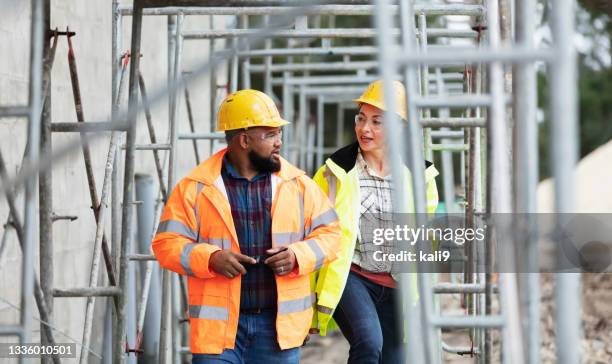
(369, 128)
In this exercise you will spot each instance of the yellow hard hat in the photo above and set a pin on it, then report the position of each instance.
(246, 109)
(373, 95)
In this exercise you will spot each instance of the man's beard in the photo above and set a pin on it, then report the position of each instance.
(263, 164)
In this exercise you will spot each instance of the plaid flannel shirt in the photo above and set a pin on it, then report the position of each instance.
(251, 203)
(375, 212)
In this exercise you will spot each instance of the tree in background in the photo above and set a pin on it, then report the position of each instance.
(594, 83)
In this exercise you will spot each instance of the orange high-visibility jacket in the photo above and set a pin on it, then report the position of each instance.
(197, 221)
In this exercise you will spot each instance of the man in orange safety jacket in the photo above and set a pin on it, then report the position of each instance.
(247, 228)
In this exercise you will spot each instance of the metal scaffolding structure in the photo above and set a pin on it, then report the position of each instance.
(458, 110)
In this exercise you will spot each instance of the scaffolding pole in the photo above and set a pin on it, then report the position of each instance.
(526, 174)
(32, 156)
(564, 131)
(413, 352)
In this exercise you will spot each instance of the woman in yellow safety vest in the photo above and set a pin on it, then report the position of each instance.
(358, 291)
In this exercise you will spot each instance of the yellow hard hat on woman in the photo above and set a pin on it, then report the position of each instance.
(247, 109)
(374, 95)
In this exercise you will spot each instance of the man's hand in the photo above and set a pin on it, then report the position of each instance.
(282, 260)
(228, 263)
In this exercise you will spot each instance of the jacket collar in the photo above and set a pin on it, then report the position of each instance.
(209, 170)
(346, 157)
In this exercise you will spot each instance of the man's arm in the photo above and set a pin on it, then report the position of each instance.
(322, 232)
(175, 244)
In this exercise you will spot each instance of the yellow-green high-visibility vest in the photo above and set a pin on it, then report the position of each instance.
(338, 178)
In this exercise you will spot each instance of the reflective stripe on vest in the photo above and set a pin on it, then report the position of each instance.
(208, 312)
(325, 310)
(325, 218)
(287, 238)
(223, 243)
(296, 305)
(175, 226)
(320, 257)
(186, 258)
(331, 185)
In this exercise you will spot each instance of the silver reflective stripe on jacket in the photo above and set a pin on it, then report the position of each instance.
(185, 258)
(331, 183)
(223, 243)
(325, 218)
(287, 238)
(319, 256)
(208, 312)
(175, 226)
(296, 305)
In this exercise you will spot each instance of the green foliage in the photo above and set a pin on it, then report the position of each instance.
(595, 98)
(594, 115)
(594, 92)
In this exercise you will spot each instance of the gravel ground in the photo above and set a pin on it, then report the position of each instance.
(596, 318)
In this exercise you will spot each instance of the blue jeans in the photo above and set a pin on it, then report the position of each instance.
(367, 318)
(255, 343)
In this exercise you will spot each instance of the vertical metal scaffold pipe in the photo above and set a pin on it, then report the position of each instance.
(148, 214)
(45, 182)
(448, 181)
(416, 167)
(246, 74)
(116, 75)
(166, 284)
(526, 171)
(564, 132)
(267, 62)
(339, 125)
(300, 140)
(424, 74)
(93, 278)
(234, 65)
(212, 84)
(34, 101)
(128, 185)
(166, 275)
(413, 351)
(178, 59)
(478, 202)
(115, 40)
(512, 351)
(320, 129)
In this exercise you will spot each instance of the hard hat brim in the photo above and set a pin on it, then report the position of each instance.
(275, 123)
(363, 100)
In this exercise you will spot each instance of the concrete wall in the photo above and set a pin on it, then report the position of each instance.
(73, 241)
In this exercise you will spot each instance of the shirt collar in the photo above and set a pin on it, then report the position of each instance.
(363, 165)
(233, 173)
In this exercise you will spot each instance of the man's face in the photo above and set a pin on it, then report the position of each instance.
(264, 148)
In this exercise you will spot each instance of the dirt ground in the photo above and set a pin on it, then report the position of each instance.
(596, 317)
(330, 349)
